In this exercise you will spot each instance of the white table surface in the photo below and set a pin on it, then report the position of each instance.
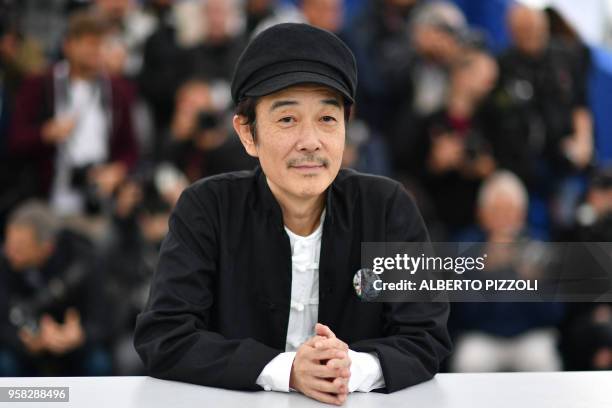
(500, 390)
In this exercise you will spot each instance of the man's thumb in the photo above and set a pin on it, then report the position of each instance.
(323, 330)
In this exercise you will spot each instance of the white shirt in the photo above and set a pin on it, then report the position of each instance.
(366, 373)
(87, 144)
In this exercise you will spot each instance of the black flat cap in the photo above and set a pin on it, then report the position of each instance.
(290, 54)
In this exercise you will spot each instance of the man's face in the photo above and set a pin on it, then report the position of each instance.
(477, 77)
(529, 30)
(85, 52)
(218, 15)
(326, 14)
(23, 249)
(300, 139)
(502, 215)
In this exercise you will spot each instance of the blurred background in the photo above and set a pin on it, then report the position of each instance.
(495, 115)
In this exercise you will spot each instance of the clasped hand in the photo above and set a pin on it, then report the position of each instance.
(321, 368)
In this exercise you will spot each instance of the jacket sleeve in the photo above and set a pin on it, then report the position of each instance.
(174, 334)
(416, 339)
(25, 137)
(124, 143)
(9, 338)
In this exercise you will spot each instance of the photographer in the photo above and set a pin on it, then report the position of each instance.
(586, 341)
(504, 336)
(139, 224)
(454, 155)
(73, 124)
(51, 312)
(199, 142)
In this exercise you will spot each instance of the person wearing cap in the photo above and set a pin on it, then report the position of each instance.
(254, 286)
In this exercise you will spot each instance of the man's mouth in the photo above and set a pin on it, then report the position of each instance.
(309, 166)
(308, 169)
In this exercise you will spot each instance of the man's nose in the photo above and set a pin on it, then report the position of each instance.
(309, 139)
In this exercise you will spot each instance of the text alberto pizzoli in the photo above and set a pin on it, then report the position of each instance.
(459, 265)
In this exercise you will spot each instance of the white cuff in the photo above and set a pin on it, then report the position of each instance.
(275, 375)
(366, 372)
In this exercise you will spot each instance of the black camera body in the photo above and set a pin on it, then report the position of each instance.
(207, 120)
(26, 313)
(80, 181)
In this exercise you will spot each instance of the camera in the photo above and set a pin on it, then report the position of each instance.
(476, 145)
(207, 120)
(80, 181)
(26, 313)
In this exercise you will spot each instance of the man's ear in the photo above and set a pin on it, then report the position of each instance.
(244, 133)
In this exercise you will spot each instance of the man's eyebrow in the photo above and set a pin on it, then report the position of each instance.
(289, 102)
(331, 101)
(281, 103)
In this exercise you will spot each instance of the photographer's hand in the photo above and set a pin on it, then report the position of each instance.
(192, 98)
(480, 167)
(32, 342)
(446, 154)
(57, 130)
(129, 195)
(184, 124)
(62, 338)
(108, 177)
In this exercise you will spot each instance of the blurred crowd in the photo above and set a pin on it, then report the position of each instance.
(110, 108)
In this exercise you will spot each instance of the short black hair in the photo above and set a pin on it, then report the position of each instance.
(246, 107)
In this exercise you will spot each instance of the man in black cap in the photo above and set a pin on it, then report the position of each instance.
(254, 287)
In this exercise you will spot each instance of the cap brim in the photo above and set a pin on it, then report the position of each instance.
(285, 80)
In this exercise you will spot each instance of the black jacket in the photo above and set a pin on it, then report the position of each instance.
(34, 292)
(219, 304)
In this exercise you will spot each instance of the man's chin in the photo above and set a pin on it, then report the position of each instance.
(311, 185)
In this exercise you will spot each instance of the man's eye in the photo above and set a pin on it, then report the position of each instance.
(328, 119)
(286, 119)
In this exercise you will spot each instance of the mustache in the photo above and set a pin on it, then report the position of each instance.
(308, 159)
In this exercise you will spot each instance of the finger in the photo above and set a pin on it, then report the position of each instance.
(57, 344)
(49, 327)
(48, 322)
(26, 336)
(345, 373)
(342, 383)
(52, 337)
(323, 371)
(339, 363)
(331, 343)
(72, 316)
(323, 330)
(325, 397)
(324, 354)
(46, 319)
(311, 341)
(51, 343)
(331, 387)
